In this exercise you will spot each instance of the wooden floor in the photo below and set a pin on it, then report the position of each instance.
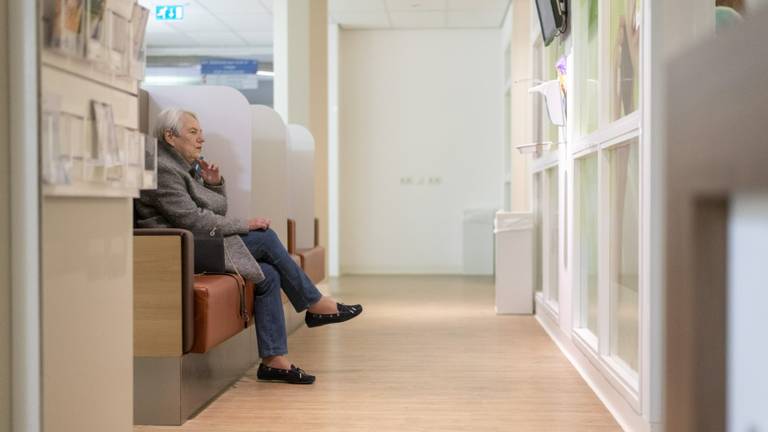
(428, 354)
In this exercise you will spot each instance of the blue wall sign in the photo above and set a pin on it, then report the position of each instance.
(215, 66)
(169, 13)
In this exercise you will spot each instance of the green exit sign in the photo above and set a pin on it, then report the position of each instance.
(169, 13)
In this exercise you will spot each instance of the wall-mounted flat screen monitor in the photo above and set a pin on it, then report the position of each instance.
(551, 19)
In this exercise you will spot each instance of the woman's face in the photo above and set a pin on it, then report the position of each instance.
(189, 141)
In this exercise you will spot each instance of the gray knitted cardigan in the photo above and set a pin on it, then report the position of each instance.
(183, 201)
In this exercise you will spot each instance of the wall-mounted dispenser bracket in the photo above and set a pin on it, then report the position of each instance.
(554, 100)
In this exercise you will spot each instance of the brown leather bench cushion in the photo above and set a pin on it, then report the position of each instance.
(313, 263)
(217, 309)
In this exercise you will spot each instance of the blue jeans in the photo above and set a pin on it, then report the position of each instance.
(279, 271)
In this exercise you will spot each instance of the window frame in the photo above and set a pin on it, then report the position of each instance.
(597, 348)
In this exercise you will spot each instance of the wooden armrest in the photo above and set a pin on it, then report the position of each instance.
(291, 236)
(163, 277)
(317, 232)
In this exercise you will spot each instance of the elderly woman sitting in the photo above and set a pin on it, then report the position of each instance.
(191, 194)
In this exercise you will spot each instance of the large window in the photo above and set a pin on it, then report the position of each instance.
(553, 234)
(537, 223)
(537, 108)
(624, 248)
(625, 57)
(546, 178)
(552, 54)
(606, 212)
(546, 209)
(586, 240)
(587, 93)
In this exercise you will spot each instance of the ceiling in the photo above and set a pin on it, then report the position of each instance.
(245, 27)
(237, 25)
(418, 14)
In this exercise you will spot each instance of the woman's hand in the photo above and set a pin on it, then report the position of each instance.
(258, 224)
(209, 173)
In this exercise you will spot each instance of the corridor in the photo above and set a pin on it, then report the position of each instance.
(428, 354)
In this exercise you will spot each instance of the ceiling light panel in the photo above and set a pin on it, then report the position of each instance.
(416, 5)
(356, 6)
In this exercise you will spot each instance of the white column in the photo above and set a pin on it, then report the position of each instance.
(669, 27)
(333, 150)
(25, 217)
(292, 60)
(5, 232)
(280, 57)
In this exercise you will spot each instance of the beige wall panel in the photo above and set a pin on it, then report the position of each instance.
(318, 114)
(157, 296)
(5, 287)
(87, 307)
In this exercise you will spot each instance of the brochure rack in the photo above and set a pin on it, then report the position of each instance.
(93, 55)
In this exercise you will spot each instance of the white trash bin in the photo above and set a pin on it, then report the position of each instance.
(514, 262)
(478, 241)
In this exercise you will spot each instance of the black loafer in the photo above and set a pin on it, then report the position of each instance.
(293, 375)
(346, 313)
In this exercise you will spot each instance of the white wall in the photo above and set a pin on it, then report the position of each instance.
(420, 105)
(747, 301)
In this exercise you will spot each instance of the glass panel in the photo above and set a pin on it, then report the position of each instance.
(537, 102)
(623, 262)
(586, 226)
(552, 54)
(537, 199)
(553, 216)
(587, 93)
(625, 57)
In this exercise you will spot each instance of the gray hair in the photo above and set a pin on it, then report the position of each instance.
(169, 119)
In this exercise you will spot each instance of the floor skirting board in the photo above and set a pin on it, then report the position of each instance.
(625, 415)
